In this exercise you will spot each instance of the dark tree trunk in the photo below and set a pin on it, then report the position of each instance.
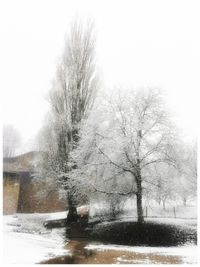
(72, 215)
(139, 207)
(138, 180)
(139, 199)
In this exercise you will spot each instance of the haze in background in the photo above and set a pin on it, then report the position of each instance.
(139, 43)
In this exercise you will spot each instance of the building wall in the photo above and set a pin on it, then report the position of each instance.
(20, 194)
(11, 185)
(20, 190)
(31, 200)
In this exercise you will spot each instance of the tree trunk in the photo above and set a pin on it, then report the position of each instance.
(139, 208)
(138, 180)
(139, 200)
(72, 207)
(184, 201)
(72, 211)
(159, 200)
(164, 205)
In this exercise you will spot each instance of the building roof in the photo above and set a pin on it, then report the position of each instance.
(21, 163)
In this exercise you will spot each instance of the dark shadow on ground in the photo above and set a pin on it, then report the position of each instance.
(147, 233)
(133, 233)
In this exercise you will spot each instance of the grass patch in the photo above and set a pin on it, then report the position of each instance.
(148, 233)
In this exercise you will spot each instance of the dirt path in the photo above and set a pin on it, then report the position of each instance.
(80, 255)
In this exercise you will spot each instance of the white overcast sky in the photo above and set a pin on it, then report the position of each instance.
(139, 43)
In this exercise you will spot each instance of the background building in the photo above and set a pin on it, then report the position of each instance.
(20, 189)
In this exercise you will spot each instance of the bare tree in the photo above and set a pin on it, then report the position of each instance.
(162, 186)
(187, 167)
(137, 134)
(71, 98)
(11, 141)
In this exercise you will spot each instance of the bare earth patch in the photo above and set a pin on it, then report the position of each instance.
(81, 255)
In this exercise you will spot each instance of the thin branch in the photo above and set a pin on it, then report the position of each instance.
(151, 183)
(153, 149)
(164, 160)
(114, 193)
(114, 163)
(128, 158)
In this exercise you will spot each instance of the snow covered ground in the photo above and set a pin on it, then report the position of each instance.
(26, 241)
(151, 209)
